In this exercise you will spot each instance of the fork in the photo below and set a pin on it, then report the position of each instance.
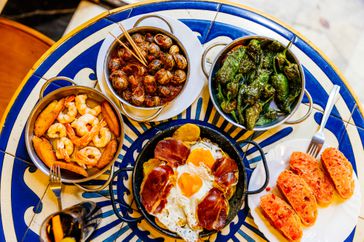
(55, 183)
(319, 138)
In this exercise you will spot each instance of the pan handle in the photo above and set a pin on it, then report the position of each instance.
(204, 54)
(307, 114)
(154, 16)
(114, 201)
(100, 187)
(138, 119)
(56, 78)
(265, 168)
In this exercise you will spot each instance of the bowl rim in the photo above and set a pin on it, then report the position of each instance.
(222, 53)
(113, 45)
(43, 103)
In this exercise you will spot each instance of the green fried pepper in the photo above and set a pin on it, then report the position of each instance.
(254, 50)
(252, 115)
(230, 66)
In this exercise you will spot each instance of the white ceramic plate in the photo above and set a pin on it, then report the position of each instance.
(194, 49)
(334, 222)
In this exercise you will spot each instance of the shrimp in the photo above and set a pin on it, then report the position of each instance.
(56, 130)
(102, 138)
(80, 124)
(88, 156)
(64, 148)
(84, 140)
(71, 113)
(83, 108)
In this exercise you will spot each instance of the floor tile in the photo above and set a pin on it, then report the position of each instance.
(16, 177)
(351, 145)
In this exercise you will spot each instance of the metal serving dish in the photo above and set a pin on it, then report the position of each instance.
(140, 110)
(69, 177)
(213, 89)
(236, 202)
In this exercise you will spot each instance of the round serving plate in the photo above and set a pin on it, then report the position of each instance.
(194, 84)
(25, 201)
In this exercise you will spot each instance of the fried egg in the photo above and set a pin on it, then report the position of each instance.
(193, 182)
(204, 151)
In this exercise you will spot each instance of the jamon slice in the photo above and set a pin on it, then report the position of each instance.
(225, 171)
(173, 151)
(155, 188)
(212, 211)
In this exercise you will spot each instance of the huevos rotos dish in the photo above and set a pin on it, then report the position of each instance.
(189, 181)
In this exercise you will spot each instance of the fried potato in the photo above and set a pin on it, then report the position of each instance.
(110, 118)
(187, 133)
(281, 216)
(150, 165)
(71, 167)
(340, 171)
(44, 150)
(107, 154)
(47, 117)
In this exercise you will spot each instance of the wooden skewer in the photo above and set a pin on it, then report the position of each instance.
(126, 47)
(131, 41)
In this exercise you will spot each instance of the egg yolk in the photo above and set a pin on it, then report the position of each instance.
(189, 184)
(201, 155)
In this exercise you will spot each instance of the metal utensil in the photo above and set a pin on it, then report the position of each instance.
(319, 138)
(55, 183)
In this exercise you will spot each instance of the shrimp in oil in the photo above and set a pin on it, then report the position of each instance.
(88, 156)
(81, 124)
(70, 112)
(102, 138)
(83, 108)
(85, 139)
(56, 130)
(64, 148)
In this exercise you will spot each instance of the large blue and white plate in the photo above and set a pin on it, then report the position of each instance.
(25, 199)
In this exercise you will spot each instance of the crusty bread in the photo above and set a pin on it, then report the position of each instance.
(299, 195)
(340, 171)
(309, 169)
(281, 216)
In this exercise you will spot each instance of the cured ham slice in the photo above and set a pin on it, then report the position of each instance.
(173, 151)
(155, 188)
(212, 211)
(225, 171)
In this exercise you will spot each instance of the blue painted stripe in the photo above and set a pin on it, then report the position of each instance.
(198, 108)
(131, 126)
(208, 110)
(255, 230)
(188, 113)
(117, 234)
(274, 138)
(185, 5)
(247, 237)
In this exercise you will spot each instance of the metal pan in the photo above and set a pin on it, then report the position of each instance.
(136, 112)
(236, 202)
(69, 177)
(213, 89)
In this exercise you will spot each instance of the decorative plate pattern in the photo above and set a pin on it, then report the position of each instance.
(25, 197)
